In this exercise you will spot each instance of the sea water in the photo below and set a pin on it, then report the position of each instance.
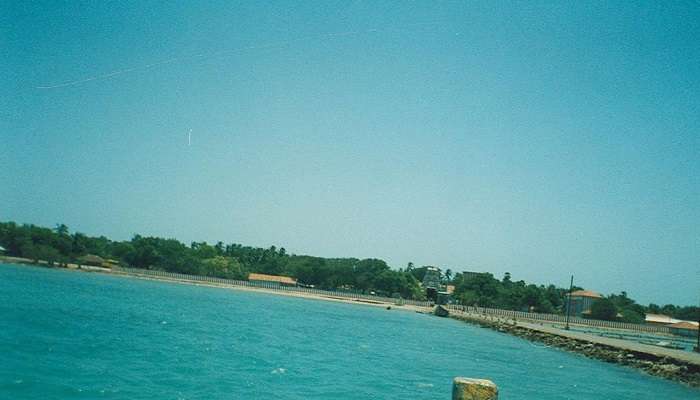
(72, 335)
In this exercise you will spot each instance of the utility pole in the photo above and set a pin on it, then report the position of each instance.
(568, 303)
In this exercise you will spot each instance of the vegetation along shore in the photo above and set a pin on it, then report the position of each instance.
(370, 277)
(236, 261)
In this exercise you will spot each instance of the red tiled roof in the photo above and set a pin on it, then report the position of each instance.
(586, 293)
(685, 325)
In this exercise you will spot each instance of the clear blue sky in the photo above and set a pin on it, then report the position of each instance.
(540, 139)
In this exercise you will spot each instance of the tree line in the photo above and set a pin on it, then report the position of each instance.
(486, 291)
(232, 261)
(236, 261)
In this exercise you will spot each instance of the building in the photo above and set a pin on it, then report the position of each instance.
(684, 328)
(467, 275)
(581, 302)
(91, 259)
(275, 280)
(431, 283)
(431, 279)
(659, 319)
(445, 296)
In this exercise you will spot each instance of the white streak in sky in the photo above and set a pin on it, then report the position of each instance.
(280, 44)
(107, 75)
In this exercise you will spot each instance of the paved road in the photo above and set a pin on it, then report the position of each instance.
(686, 356)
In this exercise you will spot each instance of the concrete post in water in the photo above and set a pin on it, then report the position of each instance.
(474, 389)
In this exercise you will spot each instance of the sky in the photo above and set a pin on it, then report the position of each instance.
(536, 138)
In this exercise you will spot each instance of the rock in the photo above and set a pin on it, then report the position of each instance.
(474, 389)
(441, 311)
(670, 368)
(664, 367)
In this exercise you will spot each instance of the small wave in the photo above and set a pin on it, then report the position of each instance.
(424, 385)
(278, 371)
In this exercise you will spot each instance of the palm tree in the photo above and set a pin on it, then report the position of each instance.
(448, 275)
(61, 229)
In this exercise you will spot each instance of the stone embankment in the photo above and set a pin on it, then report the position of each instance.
(664, 367)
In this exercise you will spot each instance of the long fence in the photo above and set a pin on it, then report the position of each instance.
(271, 286)
(559, 318)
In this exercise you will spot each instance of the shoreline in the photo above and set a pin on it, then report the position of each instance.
(677, 367)
(680, 367)
(308, 296)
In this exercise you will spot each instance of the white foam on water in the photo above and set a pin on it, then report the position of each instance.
(278, 371)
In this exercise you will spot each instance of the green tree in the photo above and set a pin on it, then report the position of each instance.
(448, 275)
(628, 308)
(235, 261)
(418, 273)
(61, 229)
(506, 278)
(604, 309)
(653, 309)
(223, 267)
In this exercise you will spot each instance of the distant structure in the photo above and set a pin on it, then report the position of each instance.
(676, 326)
(467, 275)
(685, 328)
(431, 282)
(445, 295)
(2, 250)
(92, 260)
(659, 319)
(581, 302)
(274, 280)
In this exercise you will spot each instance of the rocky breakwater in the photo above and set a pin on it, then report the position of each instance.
(665, 367)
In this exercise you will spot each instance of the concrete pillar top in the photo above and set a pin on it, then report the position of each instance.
(474, 389)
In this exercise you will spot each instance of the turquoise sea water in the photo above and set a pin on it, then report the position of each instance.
(72, 335)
